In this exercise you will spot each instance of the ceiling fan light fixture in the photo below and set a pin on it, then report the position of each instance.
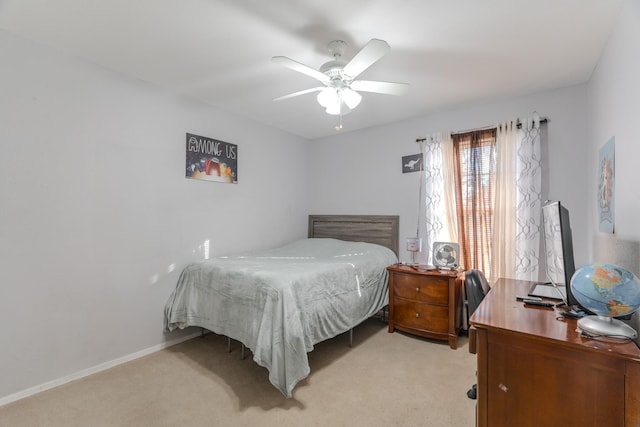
(327, 97)
(338, 101)
(351, 98)
(338, 109)
(334, 108)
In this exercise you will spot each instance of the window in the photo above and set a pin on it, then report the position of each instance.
(475, 170)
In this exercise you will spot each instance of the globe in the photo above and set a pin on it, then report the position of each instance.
(608, 291)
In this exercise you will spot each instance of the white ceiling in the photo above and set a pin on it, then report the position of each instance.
(451, 52)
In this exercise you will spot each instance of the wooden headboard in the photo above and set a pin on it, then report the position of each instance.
(379, 229)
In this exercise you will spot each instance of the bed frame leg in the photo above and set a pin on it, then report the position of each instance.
(242, 355)
(351, 337)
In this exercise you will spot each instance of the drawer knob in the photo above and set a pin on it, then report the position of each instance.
(417, 314)
(417, 289)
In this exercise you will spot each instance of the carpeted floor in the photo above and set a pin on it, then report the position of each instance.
(383, 380)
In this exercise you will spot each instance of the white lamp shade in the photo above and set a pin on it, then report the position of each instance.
(327, 97)
(338, 101)
(338, 109)
(333, 109)
(351, 98)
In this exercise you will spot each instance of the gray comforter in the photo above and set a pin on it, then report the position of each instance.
(280, 302)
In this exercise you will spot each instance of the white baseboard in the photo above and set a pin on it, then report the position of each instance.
(92, 370)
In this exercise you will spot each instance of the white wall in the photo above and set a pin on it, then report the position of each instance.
(360, 172)
(614, 100)
(97, 218)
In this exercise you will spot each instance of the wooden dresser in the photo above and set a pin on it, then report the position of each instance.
(424, 302)
(535, 369)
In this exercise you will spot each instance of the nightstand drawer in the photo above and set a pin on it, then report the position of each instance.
(433, 290)
(417, 315)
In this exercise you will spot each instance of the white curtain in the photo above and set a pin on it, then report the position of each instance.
(436, 218)
(503, 249)
(518, 201)
(451, 232)
(528, 199)
(515, 249)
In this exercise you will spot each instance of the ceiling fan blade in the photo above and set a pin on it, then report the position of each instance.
(388, 88)
(302, 92)
(368, 55)
(301, 68)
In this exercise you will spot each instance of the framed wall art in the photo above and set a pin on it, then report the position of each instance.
(606, 187)
(210, 159)
(412, 163)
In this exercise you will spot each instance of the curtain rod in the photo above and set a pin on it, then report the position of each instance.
(542, 120)
(518, 125)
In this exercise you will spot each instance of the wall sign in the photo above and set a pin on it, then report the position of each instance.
(211, 159)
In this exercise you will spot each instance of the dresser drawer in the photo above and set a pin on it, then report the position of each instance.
(433, 290)
(417, 315)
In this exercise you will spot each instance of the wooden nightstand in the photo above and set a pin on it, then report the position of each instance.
(425, 302)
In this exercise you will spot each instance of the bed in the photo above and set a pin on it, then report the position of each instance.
(280, 302)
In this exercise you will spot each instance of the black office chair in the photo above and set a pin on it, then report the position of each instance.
(476, 287)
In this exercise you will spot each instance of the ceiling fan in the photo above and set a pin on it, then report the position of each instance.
(339, 94)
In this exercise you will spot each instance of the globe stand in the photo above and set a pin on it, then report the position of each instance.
(606, 326)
